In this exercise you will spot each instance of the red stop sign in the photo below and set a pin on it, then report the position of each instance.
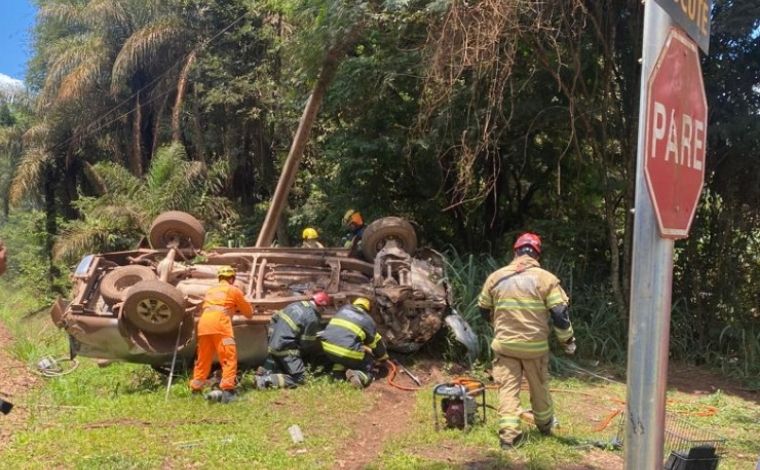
(676, 130)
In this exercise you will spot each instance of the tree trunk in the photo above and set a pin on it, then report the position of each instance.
(136, 159)
(51, 223)
(157, 127)
(290, 169)
(199, 141)
(181, 88)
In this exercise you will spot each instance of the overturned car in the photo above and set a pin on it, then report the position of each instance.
(142, 305)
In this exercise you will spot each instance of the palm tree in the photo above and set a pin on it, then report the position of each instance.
(121, 50)
(126, 205)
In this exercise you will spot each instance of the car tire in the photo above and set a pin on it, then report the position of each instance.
(114, 285)
(388, 228)
(154, 306)
(176, 226)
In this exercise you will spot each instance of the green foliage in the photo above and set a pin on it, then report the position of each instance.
(118, 218)
(24, 235)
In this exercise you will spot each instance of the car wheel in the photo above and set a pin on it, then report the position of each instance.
(379, 232)
(176, 227)
(154, 306)
(115, 283)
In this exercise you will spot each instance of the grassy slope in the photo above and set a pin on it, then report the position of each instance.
(116, 417)
(581, 406)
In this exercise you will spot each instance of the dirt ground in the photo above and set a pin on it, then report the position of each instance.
(15, 382)
(390, 415)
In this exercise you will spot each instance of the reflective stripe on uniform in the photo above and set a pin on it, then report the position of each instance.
(215, 308)
(289, 321)
(197, 384)
(554, 299)
(523, 303)
(338, 367)
(285, 352)
(308, 337)
(526, 346)
(544, 416)
(352, 327)
(484, 301)
(340, 351)
(374, 342)
(228, 341)
(509, 422)
(564, 335)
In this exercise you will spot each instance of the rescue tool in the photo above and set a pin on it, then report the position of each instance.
(461, 402)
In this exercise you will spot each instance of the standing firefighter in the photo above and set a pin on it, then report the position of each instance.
(215, 333)
(519, 299)
(351, 342)
(310, 238)
(293, 334)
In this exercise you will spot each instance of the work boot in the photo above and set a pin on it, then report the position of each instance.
(354, 379)
(228, 396)
(261, 382)
(547, 429)
(214, 396)
(508, 444)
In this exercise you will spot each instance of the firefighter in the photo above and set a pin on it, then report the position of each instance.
(310, 238)
(293, 334)
(519, 299)
(351, 342)
(215, 334)
(354, 222)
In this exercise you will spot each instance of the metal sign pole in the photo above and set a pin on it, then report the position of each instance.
(651, 283)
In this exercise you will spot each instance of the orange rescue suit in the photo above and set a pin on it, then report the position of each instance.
(215, 334)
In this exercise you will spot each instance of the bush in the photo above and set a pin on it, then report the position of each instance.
(28, 264)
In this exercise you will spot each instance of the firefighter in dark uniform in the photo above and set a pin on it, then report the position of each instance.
(351, 342)
(292, 334)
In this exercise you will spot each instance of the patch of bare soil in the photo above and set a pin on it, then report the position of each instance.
(15, 382)
(390, 414)
(699, 381)
(455, 454)
(598, 459)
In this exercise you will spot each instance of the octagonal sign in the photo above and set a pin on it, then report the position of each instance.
(676, 131)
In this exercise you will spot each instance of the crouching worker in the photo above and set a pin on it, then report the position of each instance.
(352, 343)
(215, 335)
(293, 334)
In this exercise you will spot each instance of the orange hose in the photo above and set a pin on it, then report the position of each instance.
(392, 371)
(607, 420)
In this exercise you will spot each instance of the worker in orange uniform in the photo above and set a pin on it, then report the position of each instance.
(215, 334)
(520, 299)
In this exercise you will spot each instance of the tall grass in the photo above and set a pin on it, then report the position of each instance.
(601, 332)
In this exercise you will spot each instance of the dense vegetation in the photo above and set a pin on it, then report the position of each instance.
(474, 119)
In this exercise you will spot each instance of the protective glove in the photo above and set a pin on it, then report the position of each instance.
(569, 346)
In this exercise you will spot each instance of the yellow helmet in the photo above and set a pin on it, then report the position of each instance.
(309, 234)
(362, 302)
(353, 216)
(225, 271)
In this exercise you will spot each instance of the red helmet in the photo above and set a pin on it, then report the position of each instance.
(321, 298)
(528, 239)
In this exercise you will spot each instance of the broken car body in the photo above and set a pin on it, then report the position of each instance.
(138, 306)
